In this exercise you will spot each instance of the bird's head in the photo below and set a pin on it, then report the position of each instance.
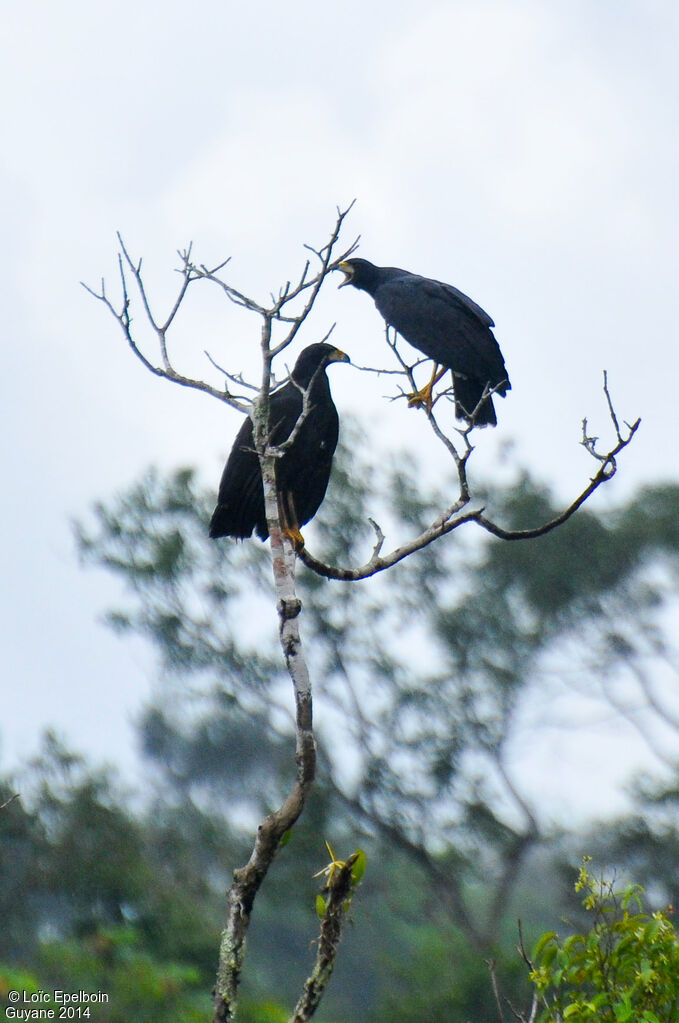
(348, 268)
(360, 273)
(314, 359)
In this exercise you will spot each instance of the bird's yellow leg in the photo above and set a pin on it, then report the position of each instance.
(423, 398)
(288, 517)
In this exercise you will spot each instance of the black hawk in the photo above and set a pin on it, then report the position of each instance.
(302, 472)
(446, 326)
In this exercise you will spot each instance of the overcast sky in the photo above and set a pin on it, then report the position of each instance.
(526, 151)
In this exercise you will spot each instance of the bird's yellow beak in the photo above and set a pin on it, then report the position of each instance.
(339, 356)
(348, 271)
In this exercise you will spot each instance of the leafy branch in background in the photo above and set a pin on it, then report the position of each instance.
(625, 968)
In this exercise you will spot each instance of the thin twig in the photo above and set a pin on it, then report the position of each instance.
(490, 963)
(235, 378)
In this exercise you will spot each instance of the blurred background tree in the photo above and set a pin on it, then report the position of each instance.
(421, 679)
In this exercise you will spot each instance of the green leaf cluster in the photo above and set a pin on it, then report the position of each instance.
(624, 969)
(356, 863)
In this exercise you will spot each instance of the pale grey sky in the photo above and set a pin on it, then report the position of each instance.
(525, 151)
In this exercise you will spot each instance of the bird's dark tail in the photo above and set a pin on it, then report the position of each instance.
(226, 521)
(468, 394)
(221, 523)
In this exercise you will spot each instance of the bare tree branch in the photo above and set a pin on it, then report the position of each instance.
(521, 949)
(450, 519)
(631, 714)
(661, 709)
(490, 963)
(165, 370)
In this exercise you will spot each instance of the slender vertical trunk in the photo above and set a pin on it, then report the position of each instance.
(247, 879)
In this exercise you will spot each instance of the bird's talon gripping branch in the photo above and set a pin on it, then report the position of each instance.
(295, 538)
(424, 398)
(421, 399)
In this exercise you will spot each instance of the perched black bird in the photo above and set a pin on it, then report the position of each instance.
(447, 326)
(302, 472)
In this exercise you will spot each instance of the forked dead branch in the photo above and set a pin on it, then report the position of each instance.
(282, 317)
(452, 517)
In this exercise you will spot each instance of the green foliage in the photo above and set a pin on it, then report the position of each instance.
(140, 986)
(261, 1012)
(624, 969)
(21, 839)
(88, 837)
(12, 979)
(437, 976)
(99, 887)
(645, 842)
(357, 863)
(360, 862)
(321, 906)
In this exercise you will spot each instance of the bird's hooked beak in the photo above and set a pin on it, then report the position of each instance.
(348, 271)
(339, 356)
